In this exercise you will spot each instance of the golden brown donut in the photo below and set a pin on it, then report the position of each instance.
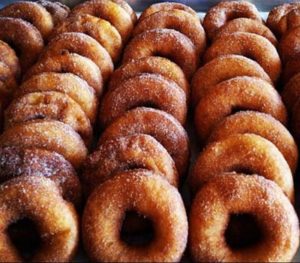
(289, 45)
(57, 10)
(242, 153)
(100, 29)
(249, 45)
(291, 92)
(237, 94)
(38, 199)
(67, 83)
(224, 68)
(8, 57)
(18, 161)
(83, 45)
(290, 69)
(49, 105)
(161, 125)
(24, 38)
(179, 20)
(128, 153)
(150, 90)
(49, 135)
(250, 204)
(148, 194)
(79, 65)
(127, 8)
(263, 125)
(223, 12)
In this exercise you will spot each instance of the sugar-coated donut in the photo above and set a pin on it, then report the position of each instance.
(18, 161)
(149, 195)
(224, 68)
(249, 45)
(289, 45)
(291, 92)
(161, 125)
(290, 69)
(38, 199)
(146, 89)
(260, 124)
(49, 135)
(223, 12)
(237, 94)
(57, 10)
(8, 57)
(127, 153)
(242, 153)
(250, 205)
(166, 43)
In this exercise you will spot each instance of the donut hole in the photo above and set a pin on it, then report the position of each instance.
(137, 230)
(243, 232)
(145, 104)
(25, 236)
(237, 109)
(234, 14)
(14, 46)
(240, 169)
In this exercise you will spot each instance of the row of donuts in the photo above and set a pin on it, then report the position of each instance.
(240, 121)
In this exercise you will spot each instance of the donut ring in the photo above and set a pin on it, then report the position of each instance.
(249, 45)
(263, 125)
(223, 12)
(72, 63)
(236, 194)
(17, 161)
(288, 46)
(143, 90)
(224, 68)
(133, 190)
(31, 12)
(242, 153)
(38, 199)
(240, 93)
(128, 153)
(58, 11)
(49, 105)
(179, 20)
(83, 45)
(100, 29)
(9, 58)
(153, 65)
(49, 135)
(246, 25)
(291, 92)
(290, 69)
(162, 126)
(69, 84)
(24, 37)
(166, 43)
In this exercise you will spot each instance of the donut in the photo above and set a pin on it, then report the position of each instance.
(290, 69)
(24, 38)
(69, 84)
(250, 220)
(161, 125)
(224, 68)
(291, 92)
(49, 135)
(289, 21)
(49, 105)
(150, 90)
(17, 161)
(100, 29)
(72, 63)
(38, 199)
(225, 11)
(31, 12)
(246, 25)
(289, 46)
(153, 65)
(166, 43)
(249, 45)
(179, 20)
(237, 94)
(112, 11)
(260, 124)
(127, 8)
(83, 45)
(9, 58)
(139, 191)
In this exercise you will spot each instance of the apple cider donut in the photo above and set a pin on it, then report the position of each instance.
(128, 153)
(267, 222)
(144, 90)
(166, 43)
(151, 196)
(38, 199)
(263, 125)
(289, 45)
(9, 58)
(161, 125)
(249, 45)
(291, 92)
(50, 135)
(58, 11)
(237, 94)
